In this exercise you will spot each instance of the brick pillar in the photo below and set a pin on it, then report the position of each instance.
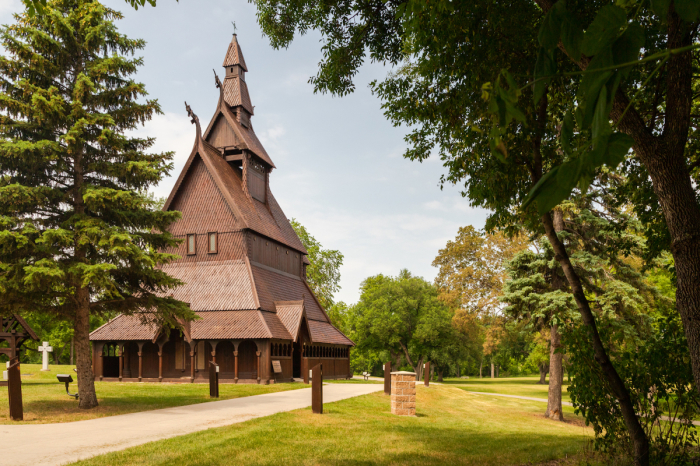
(403, 393)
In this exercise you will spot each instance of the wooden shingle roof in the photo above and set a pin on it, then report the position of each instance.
(234, 54)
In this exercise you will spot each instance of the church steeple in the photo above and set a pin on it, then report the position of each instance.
(235, 88)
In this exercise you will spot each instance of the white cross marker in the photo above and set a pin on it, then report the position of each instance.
(46, 349)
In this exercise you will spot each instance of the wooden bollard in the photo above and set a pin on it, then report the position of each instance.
(387, 378)
(426, 374)
(14, 390)
(213, 380)
(317, 389)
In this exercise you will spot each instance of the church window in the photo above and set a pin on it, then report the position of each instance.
(213, 243)
(191, 244)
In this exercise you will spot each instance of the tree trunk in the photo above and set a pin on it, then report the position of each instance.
(440, 375)
(481, 368)
(543, 373)
(556, 377)
(72, 349)
(493, 370)
(555, 355)
(86, 379)
(617, 386)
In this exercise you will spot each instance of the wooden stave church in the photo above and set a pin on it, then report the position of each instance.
(243, 266)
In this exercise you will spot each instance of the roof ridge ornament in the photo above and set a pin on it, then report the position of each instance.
(194, 119)
(219, 85)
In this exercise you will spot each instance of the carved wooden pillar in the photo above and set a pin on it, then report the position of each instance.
(140, 343)
(213, 344)
(235, 366)
(257, 353)
(120, 347)
(193, 360)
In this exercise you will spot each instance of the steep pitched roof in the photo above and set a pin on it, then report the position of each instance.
(234, 54)
(236, 93)
(291, 313)
(251, 214)
(245, 137)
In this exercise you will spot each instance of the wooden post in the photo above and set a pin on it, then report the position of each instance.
(14, 390)
(193, 360)
(160, 363)
(213, 380)
(387, 378)
(140, 343)
(317, 389)
(102, 362)
(235, 367)
(426, 374)
(257, 353)
(120, 347)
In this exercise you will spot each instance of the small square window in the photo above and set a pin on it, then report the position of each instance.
(191, 244)
(213, 243)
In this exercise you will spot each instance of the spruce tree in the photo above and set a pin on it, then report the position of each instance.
(79, 234)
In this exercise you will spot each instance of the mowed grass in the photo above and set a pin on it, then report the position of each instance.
(451, 427)
(45, 399)
(521, 386)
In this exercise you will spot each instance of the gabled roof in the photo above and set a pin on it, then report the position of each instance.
(252, 214)
(245, 137)
(291, 314)
(234, 54)
(9, 325)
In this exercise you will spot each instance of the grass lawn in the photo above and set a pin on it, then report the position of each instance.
(45, 399)
(451, 427)
(521, 386)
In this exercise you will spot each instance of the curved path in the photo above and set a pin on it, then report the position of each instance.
(56, 444)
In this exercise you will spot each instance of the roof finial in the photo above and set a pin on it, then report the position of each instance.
(234, 27)
(194, 120)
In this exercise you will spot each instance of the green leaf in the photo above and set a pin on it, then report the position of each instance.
(591, 84)
(619, 145)
(660, 7)
(604, 30)
(567, 132)
(545, 66)
(626, 48)
(550, 30)
(601, 123)
(572, 36)
(687, 9)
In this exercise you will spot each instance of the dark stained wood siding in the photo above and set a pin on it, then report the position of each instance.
(222, 135)
(231, 245)
(273, 254)
(256, 185)
(247, 360)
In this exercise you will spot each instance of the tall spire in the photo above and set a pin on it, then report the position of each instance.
(235, 88)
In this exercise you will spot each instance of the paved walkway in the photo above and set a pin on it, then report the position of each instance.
(56, 444)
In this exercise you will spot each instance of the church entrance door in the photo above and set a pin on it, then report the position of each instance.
(247, 360)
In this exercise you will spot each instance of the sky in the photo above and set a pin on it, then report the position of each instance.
(340, 169)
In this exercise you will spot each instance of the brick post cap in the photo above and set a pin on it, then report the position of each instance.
(403, 373)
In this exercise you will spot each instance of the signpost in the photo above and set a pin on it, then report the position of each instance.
(276, 369)
(45, 350)
(387, 378)
(14, 390)
(213, 380)
(426, 374)
(317, 389)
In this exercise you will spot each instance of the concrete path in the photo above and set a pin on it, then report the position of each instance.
(56, 444)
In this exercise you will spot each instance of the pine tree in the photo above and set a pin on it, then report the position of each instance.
(78, 233)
